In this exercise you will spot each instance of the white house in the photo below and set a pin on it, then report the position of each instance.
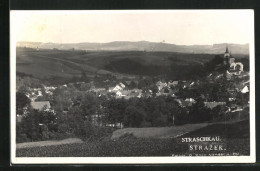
(41, 105)
(245, 90)
(119, 93)
(190, 100)
(161, 85)
(118, 87)
(122, 85)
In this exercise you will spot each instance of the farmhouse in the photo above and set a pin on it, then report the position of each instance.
(41, 105)
(211, 105)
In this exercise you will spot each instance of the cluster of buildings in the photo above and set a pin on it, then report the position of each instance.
(235, 68)
(121, 90)
(34, 93)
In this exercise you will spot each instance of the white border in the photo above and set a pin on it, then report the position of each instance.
(129, 160)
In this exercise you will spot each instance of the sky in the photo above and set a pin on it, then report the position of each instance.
(194, 27)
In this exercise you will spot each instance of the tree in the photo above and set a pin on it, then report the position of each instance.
(242, 99)
(76, 121)
(83, 75)
(132, 85)
(219, 113)
(89, 104)
(85, 87)
(199, 112)
(133, 116)
(21, 101)
(154, 89)
(115, 110)
(30, 125)
(166, 90)
(212, 65)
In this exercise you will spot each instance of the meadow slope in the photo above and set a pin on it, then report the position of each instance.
(235, 137)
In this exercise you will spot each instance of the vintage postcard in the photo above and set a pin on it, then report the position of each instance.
(132, 86)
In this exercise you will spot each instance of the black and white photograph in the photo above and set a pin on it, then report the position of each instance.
(132, 86)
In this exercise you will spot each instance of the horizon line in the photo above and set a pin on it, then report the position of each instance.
(136, 42)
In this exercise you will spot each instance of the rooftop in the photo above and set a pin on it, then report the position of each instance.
(40, 105)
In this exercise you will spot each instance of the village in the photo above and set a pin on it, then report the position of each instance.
(181, 90)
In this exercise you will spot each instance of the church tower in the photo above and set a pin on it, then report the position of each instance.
(226, 56)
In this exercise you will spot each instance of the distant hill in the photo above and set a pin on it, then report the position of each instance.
(142, 46)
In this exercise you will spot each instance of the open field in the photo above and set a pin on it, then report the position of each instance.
(45, 63)
(235, 136)
(167, 132)
(48, 143)
(158, 132)
(68, 63)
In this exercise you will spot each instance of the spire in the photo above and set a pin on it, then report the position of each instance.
(226, 49)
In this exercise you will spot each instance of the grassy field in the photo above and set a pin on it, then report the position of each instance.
(48, 143)
(158, 132)
(46, 63)
(235, 136)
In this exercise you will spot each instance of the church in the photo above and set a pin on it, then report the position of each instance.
(234, 68)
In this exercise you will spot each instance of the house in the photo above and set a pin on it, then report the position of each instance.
(118, 87)
(110, 89)
(41, 105)
(185, 84)
(96, 90)
(49, 90)
(239, 87)
(19, 118)
(186, 102)
(245, 90)
(231, 99)
(123, 93)
(235, 108)
(127, 94)
(115, 125)
(173, 95)
(161, 85)
(190, 100)
(122, 85)
(136, 90)
(119, 94)
(211, 105)
(172, 83)
(218, 76)
(192, 83)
